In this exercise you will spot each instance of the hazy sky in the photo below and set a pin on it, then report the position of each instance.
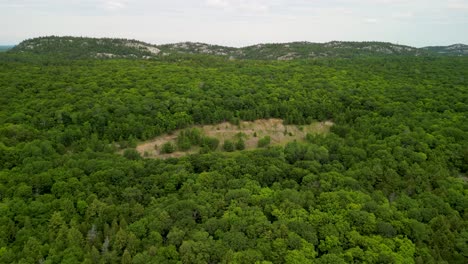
(239, 22)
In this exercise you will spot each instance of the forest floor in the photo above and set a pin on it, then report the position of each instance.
(252, 131)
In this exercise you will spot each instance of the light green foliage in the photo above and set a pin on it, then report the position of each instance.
(386, 185)
(263, 142)
(183, 141)
(126, 258)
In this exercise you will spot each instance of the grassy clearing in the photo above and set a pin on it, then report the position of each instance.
(251, 131)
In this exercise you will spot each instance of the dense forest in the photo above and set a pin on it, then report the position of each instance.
(388, 184)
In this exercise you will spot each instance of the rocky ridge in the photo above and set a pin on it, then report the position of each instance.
(80, 47)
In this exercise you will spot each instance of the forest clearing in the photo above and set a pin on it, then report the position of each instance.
(250, 131)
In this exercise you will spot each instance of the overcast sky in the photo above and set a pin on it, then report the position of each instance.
(239, 22)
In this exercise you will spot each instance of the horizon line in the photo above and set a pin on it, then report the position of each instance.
(237, 47)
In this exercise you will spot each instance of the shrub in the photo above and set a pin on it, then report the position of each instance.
(183, 142)
(211, 143)
(263, 142)
(131, 154)
(195, 136)
(167, 147)
(240, 144)
(228, 146)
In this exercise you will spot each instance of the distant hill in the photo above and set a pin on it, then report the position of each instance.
(79, 47)
(4, 48)
(297, 50)
(452, 50)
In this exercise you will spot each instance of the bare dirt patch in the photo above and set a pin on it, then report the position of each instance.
(252, 131)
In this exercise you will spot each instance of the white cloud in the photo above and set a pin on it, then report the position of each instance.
(240, 5)
(403, 15)
(113, 5)
(217, 3)
(14, 5)
(458, 5)
(371, 20)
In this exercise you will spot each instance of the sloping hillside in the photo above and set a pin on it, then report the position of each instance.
(297, 50)
(452, 50)
(79, 47)
(304, 50)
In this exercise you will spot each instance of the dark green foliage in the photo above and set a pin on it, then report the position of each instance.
(168, 147)
(210, 143)
(194, 135)
(188, 138)
(387, 185)
(131, 154)
(228, 146)
(183, 141)
(240, 144)
(264, 141)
